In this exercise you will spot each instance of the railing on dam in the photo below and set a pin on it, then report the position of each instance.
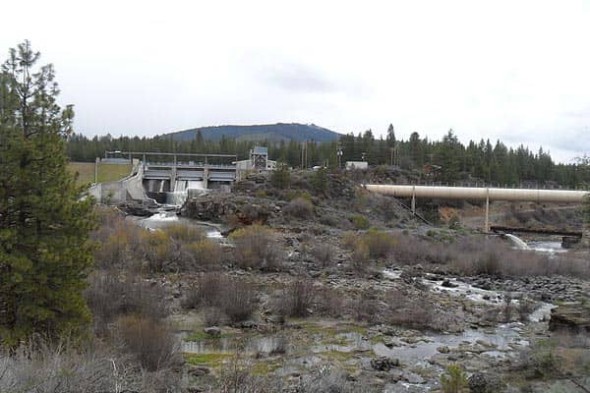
(173, 167)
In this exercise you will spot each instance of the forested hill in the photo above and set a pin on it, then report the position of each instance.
(447, 161)
(269, 132)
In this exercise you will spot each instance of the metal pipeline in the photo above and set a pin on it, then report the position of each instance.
(487, 194)
(479, 193)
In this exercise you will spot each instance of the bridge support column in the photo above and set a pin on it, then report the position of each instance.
(585, 239)
(414, 200)
(487, 220)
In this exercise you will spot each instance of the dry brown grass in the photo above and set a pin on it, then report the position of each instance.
(106, 172)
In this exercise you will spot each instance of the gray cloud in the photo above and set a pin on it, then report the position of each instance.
(298, 78)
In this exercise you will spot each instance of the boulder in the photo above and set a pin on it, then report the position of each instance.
(448, 284)
(213, 331)
(478, 383)
(384, 363)
(573, 317)
(198, 371)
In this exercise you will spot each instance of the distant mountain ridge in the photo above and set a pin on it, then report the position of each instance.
(271, 132)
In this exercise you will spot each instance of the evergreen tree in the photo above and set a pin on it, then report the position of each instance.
(44, 225)
(281, 176)
(391, 142)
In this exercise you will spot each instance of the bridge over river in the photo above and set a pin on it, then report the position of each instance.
(486, 194)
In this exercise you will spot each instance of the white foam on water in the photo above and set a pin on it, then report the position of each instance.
(518, 242)
(214, 235)
(181, 191)
(547, 247)
(162, 216)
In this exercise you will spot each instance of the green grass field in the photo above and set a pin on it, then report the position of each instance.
(106, 172)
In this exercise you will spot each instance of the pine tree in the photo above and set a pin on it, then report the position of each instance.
(391, 142)
(44, 224)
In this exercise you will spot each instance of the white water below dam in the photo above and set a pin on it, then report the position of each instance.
(518, 242)
(543, 246)
(163, 219)
(182, 189)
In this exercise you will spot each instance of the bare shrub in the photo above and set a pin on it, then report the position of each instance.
(360, 257)
(151, 342)
(184, 233)
(299, 208)
(214, 316)
(239, 301)
(494, 257)
(297, 299)
(330, 302)
(360, 222)
(174, 248)
(109, 298)
(223, 298)
(117, 241)
(256, 247)
(237, 376)
(201, 255)
(60, 368)
(323, 254)
(406, 310)
(488, 263)
(379, 243)
(573, 265)
(411, 250)
(349, 240)
(365, 307)
(207, 292)
(157, 249)
(539, 360)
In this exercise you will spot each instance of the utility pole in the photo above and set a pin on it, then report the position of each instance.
(304, 155)
(96, 169)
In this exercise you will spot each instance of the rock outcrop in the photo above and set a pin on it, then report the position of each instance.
(574, 317)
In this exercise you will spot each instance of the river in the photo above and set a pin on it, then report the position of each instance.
(168, 217)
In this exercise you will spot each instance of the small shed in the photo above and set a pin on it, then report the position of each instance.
(357, 165)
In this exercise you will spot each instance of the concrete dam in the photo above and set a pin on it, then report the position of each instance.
(169, 178)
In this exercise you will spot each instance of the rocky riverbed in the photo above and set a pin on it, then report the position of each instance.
(394, 318)
(488, 332)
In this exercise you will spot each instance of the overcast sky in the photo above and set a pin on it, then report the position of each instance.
(517, 71)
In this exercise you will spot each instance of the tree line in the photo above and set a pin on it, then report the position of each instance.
(446, 161)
